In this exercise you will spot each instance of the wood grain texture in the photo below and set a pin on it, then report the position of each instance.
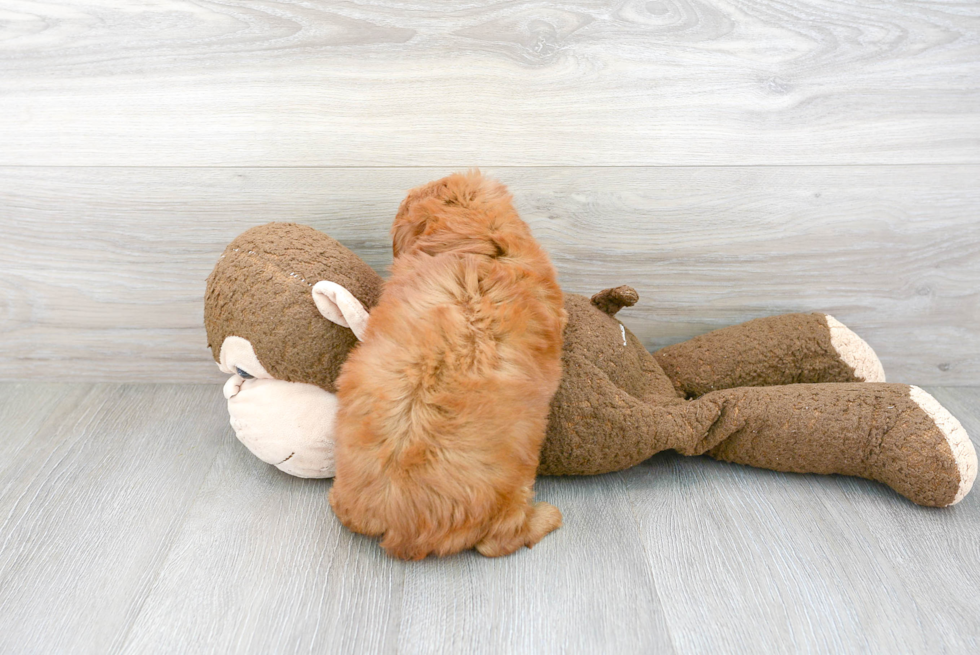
(583, 589)
(136, 523)
(24, 411)
(262, 565)
(92, 507)
(312, 586)
(661, 82)
(104, 268)
(934, 555)
(786, 563)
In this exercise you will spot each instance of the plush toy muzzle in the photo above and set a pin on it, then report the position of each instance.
(286, 424)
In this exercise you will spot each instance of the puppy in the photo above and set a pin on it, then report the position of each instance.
(443, 406)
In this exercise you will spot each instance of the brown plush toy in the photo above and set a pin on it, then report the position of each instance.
(798, 392)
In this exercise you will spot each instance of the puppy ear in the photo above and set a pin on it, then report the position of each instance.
(414, 214)
(339, 305)
(406, 229)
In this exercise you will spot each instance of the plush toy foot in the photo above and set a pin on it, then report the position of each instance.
(787, 349)
(891, 433)
(956, 437)
(855, 352)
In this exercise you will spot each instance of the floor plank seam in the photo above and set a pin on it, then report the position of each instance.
(10, 530)
(647, 556)
(173, 538)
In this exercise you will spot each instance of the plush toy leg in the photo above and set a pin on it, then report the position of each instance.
(787, 349)
(892, 433)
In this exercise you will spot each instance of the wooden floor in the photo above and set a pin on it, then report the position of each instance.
(133, 521)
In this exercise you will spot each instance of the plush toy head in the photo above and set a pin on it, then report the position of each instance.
(282, 311)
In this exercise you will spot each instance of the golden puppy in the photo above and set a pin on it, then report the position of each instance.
(443, 406)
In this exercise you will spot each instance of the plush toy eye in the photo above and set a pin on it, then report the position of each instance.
(244, 374)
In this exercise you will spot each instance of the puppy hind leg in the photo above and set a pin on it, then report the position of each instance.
(404, 547)
(524, 525)
(359, 521)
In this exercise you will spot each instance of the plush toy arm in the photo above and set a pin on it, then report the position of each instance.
(597, 427)
(787, 349)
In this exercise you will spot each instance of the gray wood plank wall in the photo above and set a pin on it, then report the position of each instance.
(583, 82)
(729, 160)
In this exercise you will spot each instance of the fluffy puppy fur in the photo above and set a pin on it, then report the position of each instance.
(443, 406)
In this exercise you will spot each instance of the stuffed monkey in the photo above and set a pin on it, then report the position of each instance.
(799, 392)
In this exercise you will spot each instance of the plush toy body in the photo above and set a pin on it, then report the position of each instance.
(817, 403)
(798, 392)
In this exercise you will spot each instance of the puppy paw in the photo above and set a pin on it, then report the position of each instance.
(538, 520)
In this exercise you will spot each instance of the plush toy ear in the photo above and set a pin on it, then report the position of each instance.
(339, 305)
